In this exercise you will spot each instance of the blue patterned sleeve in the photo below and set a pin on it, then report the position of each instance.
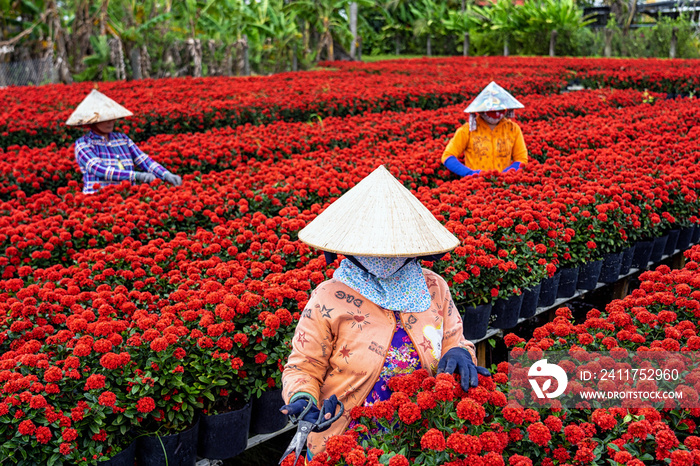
(90, 163)
(144, 162)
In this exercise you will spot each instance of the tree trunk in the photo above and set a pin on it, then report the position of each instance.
(428, 46)
(243, 62)
(608, 42)
(103, 17)
(674, 41)
(353, 29)
(79, 44)
(212, 69)
(506, 52)
(60, 63)
(306, 37)
(295, 63)
(135, 63)
(465, 46)
(116, 52)
(168, 62)
(552, 42)
(632, 10)
(145, 62)
(228, 60)
(396, 44)
(194, 47)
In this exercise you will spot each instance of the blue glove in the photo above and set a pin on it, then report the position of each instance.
(458, 168)
(460, 359)
(513, 166)
(296, 407)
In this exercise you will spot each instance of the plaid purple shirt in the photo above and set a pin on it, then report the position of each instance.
(111, 160)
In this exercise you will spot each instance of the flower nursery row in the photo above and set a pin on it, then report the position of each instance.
(431, 421)
(182, 300)
(35, 169)
(35, 117)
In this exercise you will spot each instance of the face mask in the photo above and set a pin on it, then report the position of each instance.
(494, 117)
(381, 267)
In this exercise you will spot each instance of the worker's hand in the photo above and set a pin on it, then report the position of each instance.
(458, 168)
(459, 359)
(142, 177)
(296, 407)
(173, 179)
(513, 166)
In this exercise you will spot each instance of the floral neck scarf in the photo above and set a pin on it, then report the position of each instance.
(387, 282)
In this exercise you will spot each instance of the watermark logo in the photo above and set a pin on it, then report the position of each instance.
(543, 369)
(581, 379)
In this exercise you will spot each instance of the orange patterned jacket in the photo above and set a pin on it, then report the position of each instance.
(487, 149)
(342, 338)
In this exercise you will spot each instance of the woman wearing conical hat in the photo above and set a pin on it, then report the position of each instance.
(490, 140)
(382, 314)
(106, 157)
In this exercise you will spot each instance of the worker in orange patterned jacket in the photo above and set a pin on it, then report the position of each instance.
(382, 314)
(490, 140)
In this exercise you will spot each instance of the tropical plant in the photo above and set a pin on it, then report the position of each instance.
(463, 22)
(551, 18)
(429, 15)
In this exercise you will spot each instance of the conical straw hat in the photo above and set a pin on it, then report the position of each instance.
(378, 217)
(96, 107)
(493, 97)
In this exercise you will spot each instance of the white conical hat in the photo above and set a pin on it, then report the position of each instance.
(96, 107)
(378, 217)
(493, 97)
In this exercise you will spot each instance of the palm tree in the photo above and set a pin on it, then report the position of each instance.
(501, 17)
(398, 21)
(463, 22)
(429, 15)
(329, 18)
(276, 33)
(229, 22)
(551, 17)
(132, 24)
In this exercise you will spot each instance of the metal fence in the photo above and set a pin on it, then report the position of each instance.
(26, 73)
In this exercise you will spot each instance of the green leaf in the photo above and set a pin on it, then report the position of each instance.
(53, 459)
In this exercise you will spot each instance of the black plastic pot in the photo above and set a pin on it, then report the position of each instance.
(588, 275)
(567, 282)
(627, 256)
(672, 241)
(126, 457)
(642, 253)
(684, 238)
(657, 251)
(548, 290)
(476, 320)
(176, 449)
(531, 299)
(265, 416)
(610, 271)
(225, 435)
(507, 311)
(696, 234)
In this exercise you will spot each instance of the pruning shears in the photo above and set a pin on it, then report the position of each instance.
(304, 428)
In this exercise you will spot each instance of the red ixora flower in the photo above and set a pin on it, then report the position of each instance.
(145, 405)
(26, 427)
(433, 440)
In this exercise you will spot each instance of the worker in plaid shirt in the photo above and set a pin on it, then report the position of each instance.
(106, 157)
